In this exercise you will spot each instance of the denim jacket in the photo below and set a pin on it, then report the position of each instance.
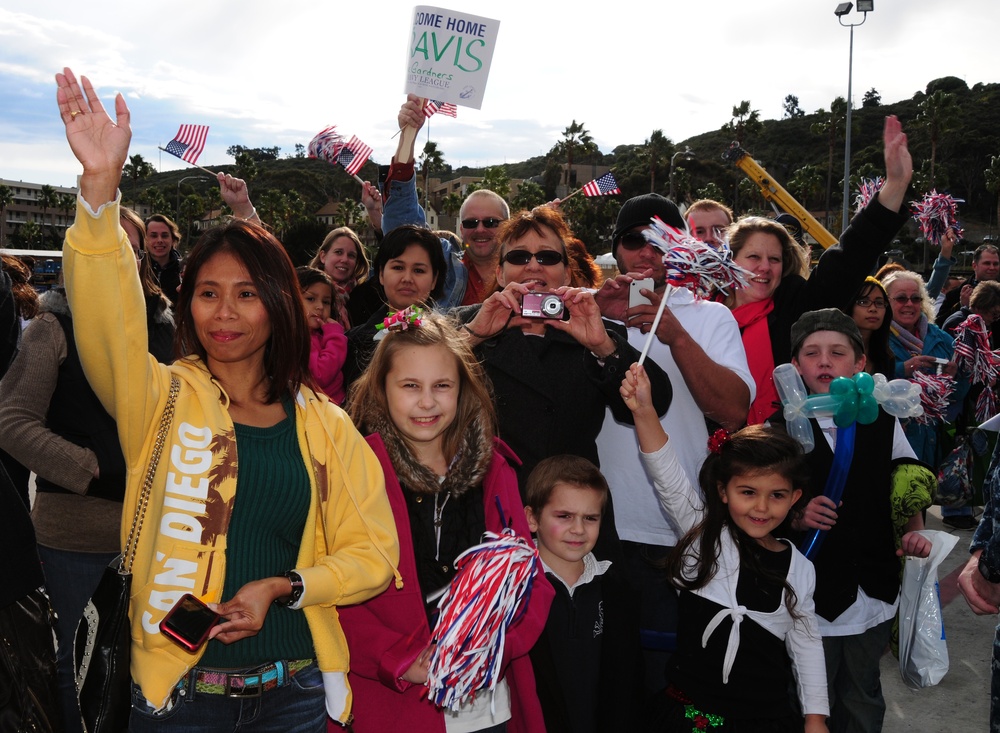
(403, 207)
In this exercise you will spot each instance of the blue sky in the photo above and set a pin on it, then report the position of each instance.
(263, 73)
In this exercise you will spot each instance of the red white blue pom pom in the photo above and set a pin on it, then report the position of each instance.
(694, 265)
(488, 593)
(936, 214)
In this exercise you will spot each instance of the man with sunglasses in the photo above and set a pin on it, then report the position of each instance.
(698, 345)
(471, 268)
(985, 267)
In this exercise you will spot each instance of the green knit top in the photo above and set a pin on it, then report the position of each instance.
(269, 516)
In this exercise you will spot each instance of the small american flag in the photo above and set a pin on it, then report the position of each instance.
(188, 143)
(445, 108)
(354, 155)
(603, 186)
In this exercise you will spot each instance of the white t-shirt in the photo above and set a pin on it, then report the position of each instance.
(638, 514)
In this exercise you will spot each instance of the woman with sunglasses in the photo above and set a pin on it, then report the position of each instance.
(919, 345)
(779, 292)
(552, 376)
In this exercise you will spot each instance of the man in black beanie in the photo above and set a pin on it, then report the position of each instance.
(698, 344)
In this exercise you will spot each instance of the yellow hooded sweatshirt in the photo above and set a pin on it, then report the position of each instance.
(349, 550)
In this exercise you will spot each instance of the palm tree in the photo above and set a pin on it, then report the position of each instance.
(938, 114)
(431, 161)
(833, 126)
(47, 199)
(656, 151)
(745, 123)
(992, 175)
(576, 140)
(452, 203)
(6, 199)
(137, 169)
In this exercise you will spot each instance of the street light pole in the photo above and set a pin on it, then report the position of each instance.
(687, 153)
(864, 6)
(177, 206)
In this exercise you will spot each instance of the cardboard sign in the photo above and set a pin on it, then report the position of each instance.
(450, 55)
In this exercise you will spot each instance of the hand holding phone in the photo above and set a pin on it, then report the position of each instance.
(189, 622)
(637, 298)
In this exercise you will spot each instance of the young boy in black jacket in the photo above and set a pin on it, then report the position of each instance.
(587, 662)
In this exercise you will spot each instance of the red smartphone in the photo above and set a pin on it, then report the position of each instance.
(188, 623)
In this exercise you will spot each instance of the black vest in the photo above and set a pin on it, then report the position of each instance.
(76, 415)
(860, 549)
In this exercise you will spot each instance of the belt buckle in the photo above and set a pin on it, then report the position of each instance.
(248, 690)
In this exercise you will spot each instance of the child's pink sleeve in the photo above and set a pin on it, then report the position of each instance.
(327, 353)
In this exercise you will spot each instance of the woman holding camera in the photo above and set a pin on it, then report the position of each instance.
(556, 371)
(266, 504)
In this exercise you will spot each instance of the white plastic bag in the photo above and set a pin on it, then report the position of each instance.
(923, 650)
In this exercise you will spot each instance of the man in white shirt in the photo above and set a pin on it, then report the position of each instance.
(698, 345)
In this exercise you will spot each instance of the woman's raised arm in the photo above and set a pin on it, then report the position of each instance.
(100, 144)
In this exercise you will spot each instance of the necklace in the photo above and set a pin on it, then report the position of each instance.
(438, 512)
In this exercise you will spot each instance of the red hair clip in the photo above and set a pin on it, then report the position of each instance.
(718, 439)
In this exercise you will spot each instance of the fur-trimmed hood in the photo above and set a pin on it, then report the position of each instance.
(54, 301)
(467, 469)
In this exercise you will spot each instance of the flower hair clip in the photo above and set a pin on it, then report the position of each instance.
(718, 439)
(409, 317)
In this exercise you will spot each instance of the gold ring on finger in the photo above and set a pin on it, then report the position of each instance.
(74, 113)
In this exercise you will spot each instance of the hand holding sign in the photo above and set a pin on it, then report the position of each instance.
(450, 55)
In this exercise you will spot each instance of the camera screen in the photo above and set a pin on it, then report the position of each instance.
(190, 619)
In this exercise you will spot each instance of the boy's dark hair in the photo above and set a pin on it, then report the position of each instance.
(565, 469)
(309, 276)
(755, 449)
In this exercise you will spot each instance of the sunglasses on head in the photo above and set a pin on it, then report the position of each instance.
(545, 257)
(902, 299)
(632, 241)
(490, 222)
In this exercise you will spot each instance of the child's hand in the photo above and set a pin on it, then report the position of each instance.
(820, 513)
(635, 390)
(417, 672)
(914, 545)
(816, 724)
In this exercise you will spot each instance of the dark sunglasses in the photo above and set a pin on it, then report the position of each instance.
(490, 222)
(632, 241)
(902, 299)
(545, 257)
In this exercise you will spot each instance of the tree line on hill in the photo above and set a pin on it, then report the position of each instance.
(954, 134)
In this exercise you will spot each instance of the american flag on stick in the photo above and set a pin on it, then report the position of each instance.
(603, 186)
(354, 155)
(188, 143)
(446, 108)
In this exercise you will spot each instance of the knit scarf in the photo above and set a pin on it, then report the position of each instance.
(913, 344)
(467, 468)
(342, 294)
(752, 320)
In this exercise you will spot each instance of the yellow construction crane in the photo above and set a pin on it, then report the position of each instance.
(776, 194)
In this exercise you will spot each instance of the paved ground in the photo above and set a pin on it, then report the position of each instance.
(961, 701)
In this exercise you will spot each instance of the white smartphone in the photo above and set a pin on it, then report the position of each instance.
(634, 296)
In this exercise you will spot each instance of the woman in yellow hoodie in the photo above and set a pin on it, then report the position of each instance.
(267, 503)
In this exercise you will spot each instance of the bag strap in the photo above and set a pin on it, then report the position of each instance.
(128, 555)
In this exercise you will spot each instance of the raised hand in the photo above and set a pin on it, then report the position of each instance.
(584, 324)
(898, 164)
(234, 193)
(97, 141)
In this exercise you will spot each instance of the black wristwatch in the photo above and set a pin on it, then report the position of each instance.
(984, 569)
(297, 589)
